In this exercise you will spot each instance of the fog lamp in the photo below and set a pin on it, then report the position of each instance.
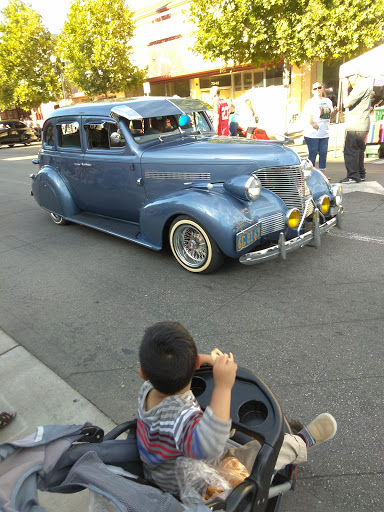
(293, 218)
(323, 204)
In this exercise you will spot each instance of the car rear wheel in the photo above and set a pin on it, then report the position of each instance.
(58, 219)
(193, 247)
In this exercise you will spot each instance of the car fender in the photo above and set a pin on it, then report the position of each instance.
(318, 185)
(52, 194)
(220, 213)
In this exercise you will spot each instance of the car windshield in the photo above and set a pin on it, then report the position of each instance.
(152, 128)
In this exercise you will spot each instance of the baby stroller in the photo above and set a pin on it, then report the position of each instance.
(112, 469)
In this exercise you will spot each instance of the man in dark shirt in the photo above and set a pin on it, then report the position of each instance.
(358, 104)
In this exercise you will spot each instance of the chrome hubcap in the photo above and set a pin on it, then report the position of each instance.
(190, 246)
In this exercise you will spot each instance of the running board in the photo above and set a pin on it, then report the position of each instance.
(126, 230)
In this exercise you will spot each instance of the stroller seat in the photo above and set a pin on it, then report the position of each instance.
(255, 413)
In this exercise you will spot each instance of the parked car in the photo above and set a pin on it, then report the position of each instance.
(152, 171)
(13, 132)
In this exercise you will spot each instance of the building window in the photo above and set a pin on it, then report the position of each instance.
(222, 81)
(274, 76)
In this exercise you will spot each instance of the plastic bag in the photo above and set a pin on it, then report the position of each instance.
(201, 482)
(233, 471)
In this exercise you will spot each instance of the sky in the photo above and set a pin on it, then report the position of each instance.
(54, 12)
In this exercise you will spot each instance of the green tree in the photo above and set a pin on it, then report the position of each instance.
(257, 31)
(95, 43)
(26, 75)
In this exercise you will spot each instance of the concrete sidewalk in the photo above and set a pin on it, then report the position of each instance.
(40, 397)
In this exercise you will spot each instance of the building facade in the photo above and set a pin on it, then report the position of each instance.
(163, 41)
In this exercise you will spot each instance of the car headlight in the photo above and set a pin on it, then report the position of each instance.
(323, 204)
(292, 218)
(247, 187)
(307, 168)
(253, 188)
(337, 192)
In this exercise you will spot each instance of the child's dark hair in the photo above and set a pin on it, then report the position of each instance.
(168, 356)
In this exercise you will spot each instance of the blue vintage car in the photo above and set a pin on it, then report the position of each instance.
(152, 171)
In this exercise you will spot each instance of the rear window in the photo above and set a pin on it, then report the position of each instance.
(68, 135)
(49, 135)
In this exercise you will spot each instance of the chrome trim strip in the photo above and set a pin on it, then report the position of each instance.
(178, 175)
(283, 247)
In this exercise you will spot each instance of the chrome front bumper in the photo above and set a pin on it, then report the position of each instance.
(285, 246)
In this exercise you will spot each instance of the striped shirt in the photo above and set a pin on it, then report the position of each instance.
(174, 428)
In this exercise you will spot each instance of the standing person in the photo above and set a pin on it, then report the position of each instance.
(358, 105)
(233, 124)
(318, 112)
(249, 119)
(220, 112)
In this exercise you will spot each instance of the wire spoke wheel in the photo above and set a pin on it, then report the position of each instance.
(58, 219)
(190, 246)
(193, 247)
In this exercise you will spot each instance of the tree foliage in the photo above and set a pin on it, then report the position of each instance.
(265, 31)
(26, 75)
(95, 43)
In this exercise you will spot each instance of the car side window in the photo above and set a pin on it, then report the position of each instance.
(68, 135)
(104, 135)
(49, 135)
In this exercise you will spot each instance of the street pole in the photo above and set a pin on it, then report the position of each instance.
(53, 60)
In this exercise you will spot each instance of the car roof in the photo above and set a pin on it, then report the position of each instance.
(134, 108)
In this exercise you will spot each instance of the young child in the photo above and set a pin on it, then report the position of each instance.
(170, 422)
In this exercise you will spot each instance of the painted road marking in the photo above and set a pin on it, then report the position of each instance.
(371, 187)
(14, 158)
(356, 236)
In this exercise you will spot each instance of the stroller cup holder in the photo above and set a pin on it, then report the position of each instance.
(254, 409)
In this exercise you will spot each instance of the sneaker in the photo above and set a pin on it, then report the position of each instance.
(363, 178)
(349, 180)
(321, 429)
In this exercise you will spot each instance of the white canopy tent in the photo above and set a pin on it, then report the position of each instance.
(370, 64)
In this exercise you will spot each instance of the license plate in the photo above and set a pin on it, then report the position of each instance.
(248, 236)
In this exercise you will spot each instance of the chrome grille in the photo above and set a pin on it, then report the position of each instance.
(286, 182)
(272, 223)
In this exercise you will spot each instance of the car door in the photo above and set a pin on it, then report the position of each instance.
(13, 134)
(110, 185)
(69, 157)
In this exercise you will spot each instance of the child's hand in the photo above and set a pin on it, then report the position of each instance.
(224, 372)
(206, 359)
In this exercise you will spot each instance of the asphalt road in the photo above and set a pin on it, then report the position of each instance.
(311, 327)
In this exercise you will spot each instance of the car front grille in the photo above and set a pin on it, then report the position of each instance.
(286, 182)
(272, 223)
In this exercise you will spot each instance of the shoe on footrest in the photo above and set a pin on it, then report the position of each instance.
(321, 429)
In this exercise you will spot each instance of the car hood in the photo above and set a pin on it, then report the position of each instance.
(222, 158)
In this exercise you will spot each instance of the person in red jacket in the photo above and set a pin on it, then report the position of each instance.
(220, 112)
